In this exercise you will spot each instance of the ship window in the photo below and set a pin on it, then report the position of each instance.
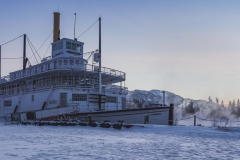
(65, 62)
(64, 78)
(48, 65)
(78, 47)
(76, 79)
(77, 61)
(71, 62)
(70, 79)
(7, 103)
(44, 81)
(69, 45)
(57, 46)
(32, 98)
(79, 97)
(111, 99)
(60, 62)
(74, 47)
(58, 80)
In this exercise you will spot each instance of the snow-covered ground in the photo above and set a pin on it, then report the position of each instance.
(190, 122)
(150, 142)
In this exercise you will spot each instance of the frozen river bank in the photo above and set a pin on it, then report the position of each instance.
(152, 142)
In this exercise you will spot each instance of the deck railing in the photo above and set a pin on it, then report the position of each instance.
(60, 64)
(30, 88)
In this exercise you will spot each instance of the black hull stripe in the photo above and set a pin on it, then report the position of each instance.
(100, 114)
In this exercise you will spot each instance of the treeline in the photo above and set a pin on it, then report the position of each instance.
(233, 107)
(230, 104)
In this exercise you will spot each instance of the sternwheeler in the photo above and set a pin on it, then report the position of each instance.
(65, 84)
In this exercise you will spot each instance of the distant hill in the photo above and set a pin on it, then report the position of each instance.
(154, 96)
(182, 106)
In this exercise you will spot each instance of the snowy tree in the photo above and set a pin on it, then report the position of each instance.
(232, 107)
(233, 103)
(189, 108)
(230, 104)
(217, 100)
(238, 103)
(209, 99)
(222, 104)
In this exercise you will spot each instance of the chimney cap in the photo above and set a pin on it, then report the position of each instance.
(56, 13)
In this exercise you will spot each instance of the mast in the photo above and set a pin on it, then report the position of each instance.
(100, 65)
(74, 24)
(0, 60)
(99, 56)
(163, 98)
(24, 51)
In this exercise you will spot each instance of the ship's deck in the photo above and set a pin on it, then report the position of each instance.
(66, 65)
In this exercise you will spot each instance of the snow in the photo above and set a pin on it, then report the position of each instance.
(155, 95)
(156, 92)
(148, 142)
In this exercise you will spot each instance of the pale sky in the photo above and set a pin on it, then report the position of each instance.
(191, 48)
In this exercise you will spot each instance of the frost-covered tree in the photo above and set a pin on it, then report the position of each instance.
(238, 103)
(209, 99)
(233, 103)
(230, 104)
(189, 108)
(217, 101)
(222, 104)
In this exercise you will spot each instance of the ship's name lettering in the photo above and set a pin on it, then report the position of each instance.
(57, 54)
(71, 52)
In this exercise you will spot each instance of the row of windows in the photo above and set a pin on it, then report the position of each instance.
(71, 62)
(53, 79)
(83, 97)
(47, 66)
(79, 97)
(69, 45)
(75, 97)
(111, 99)
(73, 46)
(7, 103)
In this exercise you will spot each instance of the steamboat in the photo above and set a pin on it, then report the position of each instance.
(65, 84)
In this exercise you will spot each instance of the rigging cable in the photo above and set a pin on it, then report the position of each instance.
(62, 34)
(12, 58)
(88, 28)
(34, 48)
(47, 49)
(28, 60)
(45, 41)
(40, 46)
(11, 40)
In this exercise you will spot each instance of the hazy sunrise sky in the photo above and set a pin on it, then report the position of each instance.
(188, 47)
